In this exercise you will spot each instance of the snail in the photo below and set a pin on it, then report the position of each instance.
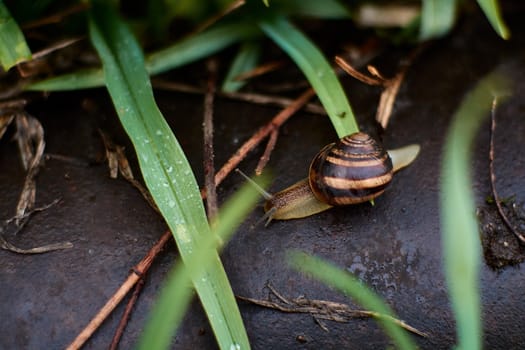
(354, 170)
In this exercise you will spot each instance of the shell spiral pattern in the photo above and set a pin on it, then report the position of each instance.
(353, 170)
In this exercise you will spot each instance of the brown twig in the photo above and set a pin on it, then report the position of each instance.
(209, 168)
(268, 150)
(57, 16)
(127, 314)
(260, 70)
(263, 132)
(390, 86)
(56, 46)
(324, 310)
(138, 271)
(4, 244)
(238, 96)
(504, 217)
(14, 104)
(228, 9)
(20, 223)
(374, 81)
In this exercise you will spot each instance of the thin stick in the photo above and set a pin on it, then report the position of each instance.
(238, 96)
(228, 9)
(132, 279)
(209, 168)
(263, 132)
(56, 46)
(357, 74)
(20, 222)
(56, 17)
(126, 315)
(13, 104)
(260, 70)
(266, 155)
(520, 237)
(325, 310)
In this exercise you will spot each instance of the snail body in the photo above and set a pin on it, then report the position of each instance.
(354, 170)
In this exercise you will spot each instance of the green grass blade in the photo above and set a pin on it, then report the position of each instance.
(199, 46)
(316, 69)
(461, 244)
(164, 167)
(175, 296)
(188, 50)
(349, 285)
(437, 18)
(493, 13)
(13, 46)
(246, 60)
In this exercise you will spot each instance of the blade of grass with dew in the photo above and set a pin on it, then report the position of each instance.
(493, 13)
(437, 18)
(175, 296)
(13, 46)
(245, 60)
(188, 50)
(316, 69)
(164, 167)
(351, 286)
(461, 243)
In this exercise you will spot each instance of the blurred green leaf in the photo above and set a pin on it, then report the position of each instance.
(326, 9)
(493, 13)
(188, 50)
(316, 69)
(175, 296)
(349, 285)
(199, 46)
(13, 46)
(461, 243)
(437, 18)
(245, 60)
(164, 167)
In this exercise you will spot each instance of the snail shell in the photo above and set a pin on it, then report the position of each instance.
(355, 169)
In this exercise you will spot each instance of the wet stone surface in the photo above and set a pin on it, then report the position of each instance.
(394, 246)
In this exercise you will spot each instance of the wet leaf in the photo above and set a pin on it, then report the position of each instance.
(316, 69)
(164, 167)
(174, 298)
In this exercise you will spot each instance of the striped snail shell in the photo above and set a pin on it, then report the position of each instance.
(355, 169)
